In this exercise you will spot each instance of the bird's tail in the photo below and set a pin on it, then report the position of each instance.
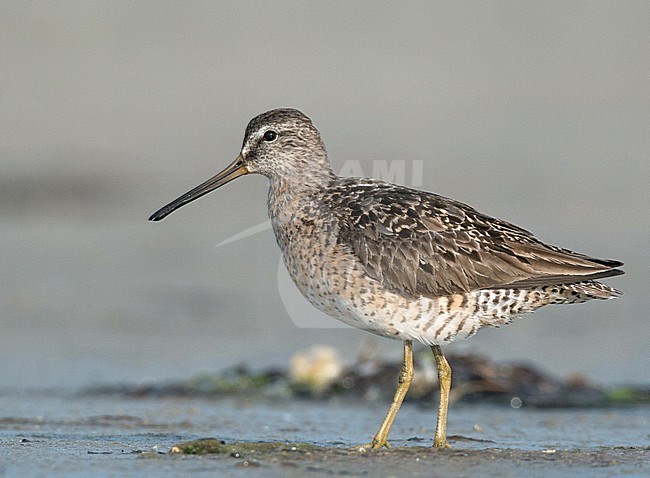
(582, 291)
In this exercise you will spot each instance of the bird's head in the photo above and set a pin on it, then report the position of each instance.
(281, 144)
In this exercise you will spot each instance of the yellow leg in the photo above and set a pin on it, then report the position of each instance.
(444, 379)
(403, 383)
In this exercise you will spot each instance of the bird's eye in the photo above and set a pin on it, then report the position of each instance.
(270, 135)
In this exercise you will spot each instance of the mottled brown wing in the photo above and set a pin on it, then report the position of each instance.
(424, 244)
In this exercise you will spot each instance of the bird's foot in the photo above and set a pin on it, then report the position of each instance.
(441, 443)
(373, 445)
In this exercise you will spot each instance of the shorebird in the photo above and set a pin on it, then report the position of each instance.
(399, 262)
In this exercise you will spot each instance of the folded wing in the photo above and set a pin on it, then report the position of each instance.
(425, 244)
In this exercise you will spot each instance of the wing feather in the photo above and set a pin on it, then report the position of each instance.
(424, 244)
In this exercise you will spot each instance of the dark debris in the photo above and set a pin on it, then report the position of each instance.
(475, 379)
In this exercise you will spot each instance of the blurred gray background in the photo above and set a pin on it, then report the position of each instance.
(535, 112)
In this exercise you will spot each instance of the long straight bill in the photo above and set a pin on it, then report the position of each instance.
(233, 171)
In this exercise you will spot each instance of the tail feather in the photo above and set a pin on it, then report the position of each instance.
(565, 279)
(594, 290)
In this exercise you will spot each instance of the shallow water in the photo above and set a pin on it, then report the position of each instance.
(77, 436)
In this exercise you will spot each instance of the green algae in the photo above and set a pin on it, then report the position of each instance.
(209, 446)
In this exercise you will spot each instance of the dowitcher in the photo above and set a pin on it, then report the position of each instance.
(399, 262)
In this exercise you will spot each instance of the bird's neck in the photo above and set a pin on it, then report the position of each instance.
(311, 177)
(291, 201)
(285, 194)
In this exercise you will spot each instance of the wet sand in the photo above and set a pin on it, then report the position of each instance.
(419, 460)
(69, 435)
